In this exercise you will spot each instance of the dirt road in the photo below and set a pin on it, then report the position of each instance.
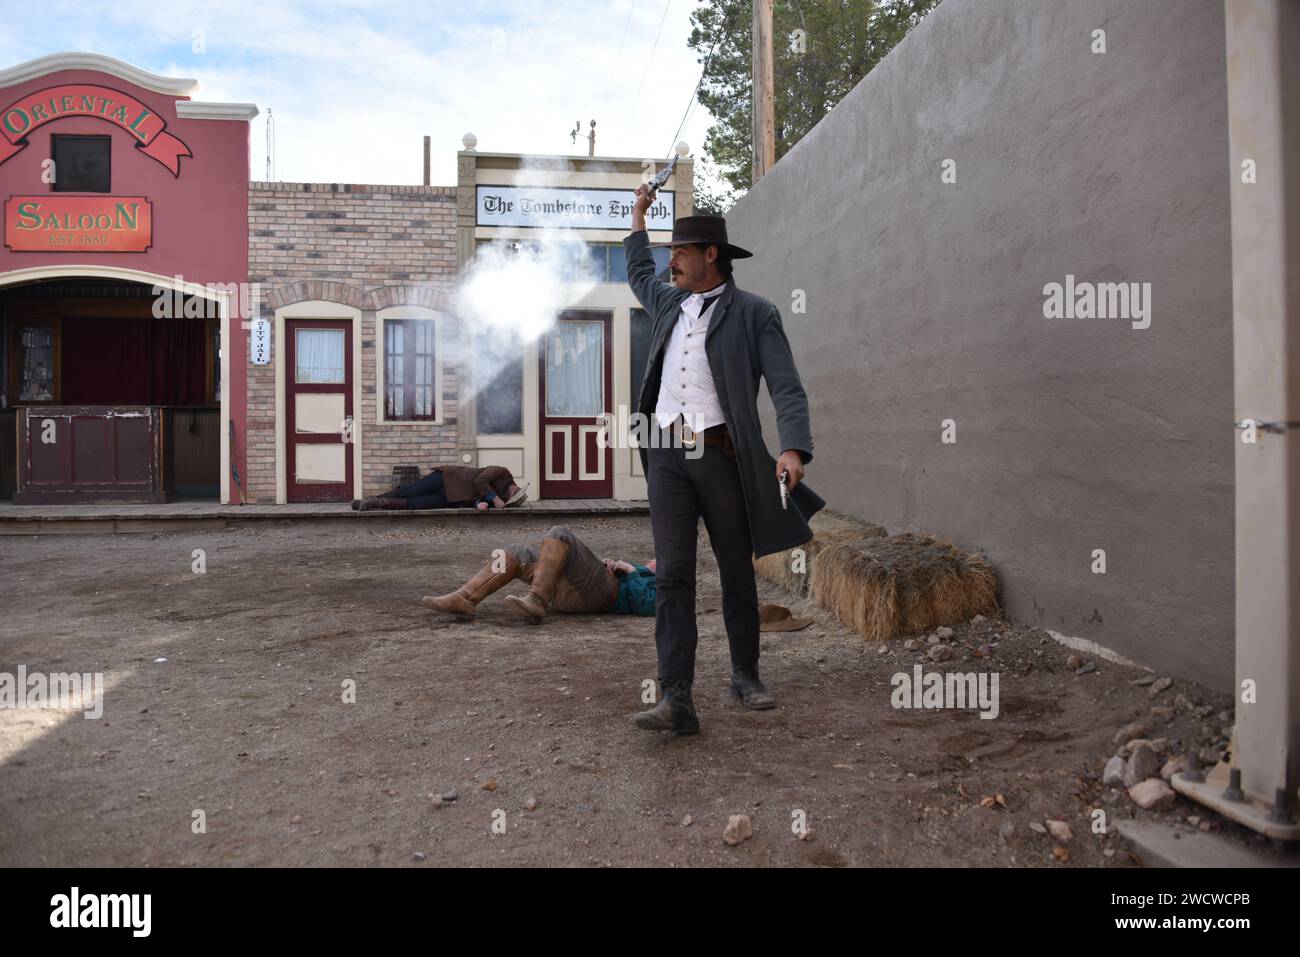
(225, 696)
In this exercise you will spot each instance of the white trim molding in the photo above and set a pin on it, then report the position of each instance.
(190, 110)
(549, 472)
(98, 62)
(100, 271)
(585, 472)
(381, 361)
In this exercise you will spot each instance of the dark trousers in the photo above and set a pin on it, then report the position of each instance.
(425, 493)
(683, 489)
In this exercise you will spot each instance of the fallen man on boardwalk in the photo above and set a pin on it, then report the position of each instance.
(451, 486)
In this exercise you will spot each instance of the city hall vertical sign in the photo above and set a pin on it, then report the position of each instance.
(56, 223)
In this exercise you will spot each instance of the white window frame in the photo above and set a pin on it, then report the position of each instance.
(381, 361)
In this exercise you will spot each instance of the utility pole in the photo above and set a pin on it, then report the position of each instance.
(589, 137)
(270, 146)
(764, 133)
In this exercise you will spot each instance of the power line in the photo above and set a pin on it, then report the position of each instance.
(690, 105)
(614, 65)
(648, 64)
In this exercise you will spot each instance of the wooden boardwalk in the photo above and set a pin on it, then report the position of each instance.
(176, 516)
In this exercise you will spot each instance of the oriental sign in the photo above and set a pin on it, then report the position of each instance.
(104, 224)
(21, 117)
(563, 208)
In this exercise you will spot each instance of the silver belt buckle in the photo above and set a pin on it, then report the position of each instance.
(688, 435)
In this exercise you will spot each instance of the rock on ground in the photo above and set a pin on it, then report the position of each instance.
(738, 829)
(1143, 763)
(1151, 794)
(1129, 732)
(1113, 776)
(1060, 830)
(940, 653)
(1175, 765)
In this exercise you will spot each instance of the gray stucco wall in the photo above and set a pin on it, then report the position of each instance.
(925, 303)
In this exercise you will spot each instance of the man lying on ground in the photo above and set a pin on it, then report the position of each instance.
(566, 576)
(451, 486)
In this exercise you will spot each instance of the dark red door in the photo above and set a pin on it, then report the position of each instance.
(318, 414)
(576, 383)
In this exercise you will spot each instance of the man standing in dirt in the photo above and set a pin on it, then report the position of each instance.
(709, 345)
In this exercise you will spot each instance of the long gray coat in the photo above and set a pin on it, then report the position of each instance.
(745, 340)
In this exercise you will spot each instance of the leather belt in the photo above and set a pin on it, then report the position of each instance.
(714, 435)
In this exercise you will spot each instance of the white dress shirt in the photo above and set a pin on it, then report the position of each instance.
(686, 387)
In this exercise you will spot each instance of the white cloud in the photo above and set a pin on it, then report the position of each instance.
(355, 86)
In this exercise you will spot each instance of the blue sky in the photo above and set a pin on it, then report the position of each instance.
(355, 85)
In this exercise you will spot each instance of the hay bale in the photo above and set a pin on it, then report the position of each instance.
(829, 528)
(900, 585)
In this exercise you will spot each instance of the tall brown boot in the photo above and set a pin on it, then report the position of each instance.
(464, 600)
(550, 563)
(378, 502)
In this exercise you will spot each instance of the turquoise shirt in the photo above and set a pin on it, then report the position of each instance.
(636, 592)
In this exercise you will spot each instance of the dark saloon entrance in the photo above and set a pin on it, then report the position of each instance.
(102, 400)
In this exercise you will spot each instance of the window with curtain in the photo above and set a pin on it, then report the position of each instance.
(318, 356)
(410, 383)
(575, 369)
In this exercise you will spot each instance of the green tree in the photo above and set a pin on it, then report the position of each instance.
(713, 195)
(821, 49)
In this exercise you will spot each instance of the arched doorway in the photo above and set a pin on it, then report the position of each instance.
(113, 387)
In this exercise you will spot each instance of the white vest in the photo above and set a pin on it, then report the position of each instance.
(686, 387)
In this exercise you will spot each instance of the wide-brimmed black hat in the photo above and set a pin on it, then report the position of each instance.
(710, 230)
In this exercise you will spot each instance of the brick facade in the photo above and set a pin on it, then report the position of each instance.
(368, 247)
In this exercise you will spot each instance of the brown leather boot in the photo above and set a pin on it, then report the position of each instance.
(746, 686)
(550, 563)
(378, 501)
(675, 711)
(464, 600)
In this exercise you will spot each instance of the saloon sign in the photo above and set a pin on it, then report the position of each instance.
(107, 224)
(27, 113)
